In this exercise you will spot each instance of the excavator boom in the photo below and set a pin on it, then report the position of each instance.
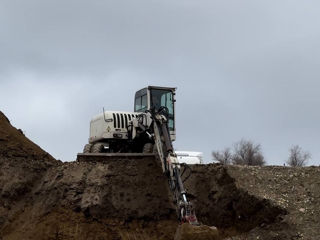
(171, 167)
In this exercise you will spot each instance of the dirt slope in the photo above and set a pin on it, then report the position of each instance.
(41, 198)
(13, 143)
(297, 190)
(22, 165)
(97, 201)
(220, 203)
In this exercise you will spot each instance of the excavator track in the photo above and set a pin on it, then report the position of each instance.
(105, 157)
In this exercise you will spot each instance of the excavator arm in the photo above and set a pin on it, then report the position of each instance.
(171, 168)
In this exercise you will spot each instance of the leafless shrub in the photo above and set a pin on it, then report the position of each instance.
(244, 153)
(247, 153)
(223, 157)
(298, 157)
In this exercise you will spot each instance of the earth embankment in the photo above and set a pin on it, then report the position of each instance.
(42, 198)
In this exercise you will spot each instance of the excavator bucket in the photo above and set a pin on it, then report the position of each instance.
(104, 157)
(190, 216)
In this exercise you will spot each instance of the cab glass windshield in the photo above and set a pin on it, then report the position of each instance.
(163, 98)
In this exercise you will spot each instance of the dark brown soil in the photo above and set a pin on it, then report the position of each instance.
(297, 190)
(22, 166)
(220, 203)
(42, 198)
(13, 144)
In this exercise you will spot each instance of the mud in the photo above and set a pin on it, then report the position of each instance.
(42, 198)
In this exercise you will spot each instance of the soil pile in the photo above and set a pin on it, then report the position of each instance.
(13, 143)
(42, 198)
(221, 203)
(22, 165)
(98, 201)
(297, 190)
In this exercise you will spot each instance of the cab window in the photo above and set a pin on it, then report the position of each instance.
(166, 100)
(163, 98)
(141, 103)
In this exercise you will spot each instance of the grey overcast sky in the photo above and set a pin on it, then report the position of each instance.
(243, 68)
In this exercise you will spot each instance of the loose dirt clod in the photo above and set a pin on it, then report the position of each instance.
(42, 198)
(189, 232)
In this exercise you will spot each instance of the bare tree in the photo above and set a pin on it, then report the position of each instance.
(247, 153)
(223, 157)
(298, 157)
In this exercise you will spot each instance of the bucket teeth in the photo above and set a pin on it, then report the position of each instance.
(188, 214)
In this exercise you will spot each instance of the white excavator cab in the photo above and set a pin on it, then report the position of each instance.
(152, 98)
(119, 131)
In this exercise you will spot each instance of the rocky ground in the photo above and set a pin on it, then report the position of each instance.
(42, 198)
(296, 190)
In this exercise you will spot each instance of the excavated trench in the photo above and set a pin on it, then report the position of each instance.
(220, 203)
(41, 198)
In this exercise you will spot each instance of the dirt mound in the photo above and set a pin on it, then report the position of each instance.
(13, 143)
(41, 198)
(219, 202)
(297, 190)
(101, 200)
(22, 165)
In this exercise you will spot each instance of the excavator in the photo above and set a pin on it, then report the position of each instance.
(149, 130)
